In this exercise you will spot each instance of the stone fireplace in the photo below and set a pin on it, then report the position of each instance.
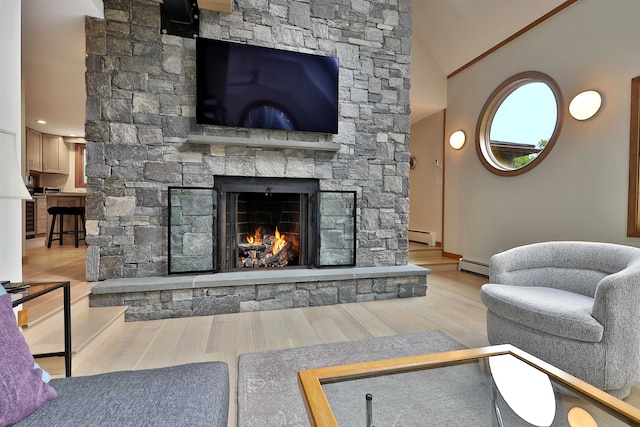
(142, 141)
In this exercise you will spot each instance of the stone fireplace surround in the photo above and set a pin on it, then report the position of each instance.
(142, 138)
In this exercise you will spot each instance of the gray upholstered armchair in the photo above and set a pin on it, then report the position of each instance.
(575, 305)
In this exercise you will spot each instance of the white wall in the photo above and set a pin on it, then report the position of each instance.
(580, 190)
(428, 91)
(10, 120)
(425, 180)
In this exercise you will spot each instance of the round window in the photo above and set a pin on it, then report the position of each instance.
(519, 123)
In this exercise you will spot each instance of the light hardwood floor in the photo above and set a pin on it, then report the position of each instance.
(452, 305)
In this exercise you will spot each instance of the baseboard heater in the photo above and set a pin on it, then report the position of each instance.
(473, 267)
(426, 237)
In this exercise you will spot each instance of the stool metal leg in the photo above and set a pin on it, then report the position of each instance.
(53, 224)
(84, 229)
(75, 225)
(61, 228)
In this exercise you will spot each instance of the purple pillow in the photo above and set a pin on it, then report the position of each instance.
(21, 388)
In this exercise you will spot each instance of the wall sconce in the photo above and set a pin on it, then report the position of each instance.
(585, 105)
(457, 139)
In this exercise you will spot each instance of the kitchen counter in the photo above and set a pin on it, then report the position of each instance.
(65, 194)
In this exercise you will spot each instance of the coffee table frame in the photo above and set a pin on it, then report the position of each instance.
(320, 413)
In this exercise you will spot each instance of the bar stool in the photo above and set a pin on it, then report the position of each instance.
(61, 211)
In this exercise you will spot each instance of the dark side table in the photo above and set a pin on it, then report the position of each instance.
(38, 289)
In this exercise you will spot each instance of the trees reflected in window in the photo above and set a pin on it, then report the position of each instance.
(519, 123)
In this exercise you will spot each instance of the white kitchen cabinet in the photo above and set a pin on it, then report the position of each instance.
(55, 154)
(47, 153)
(34, 150)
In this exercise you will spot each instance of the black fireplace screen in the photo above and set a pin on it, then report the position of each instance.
(253, 223)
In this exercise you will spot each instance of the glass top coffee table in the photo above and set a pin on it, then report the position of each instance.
(489, 386)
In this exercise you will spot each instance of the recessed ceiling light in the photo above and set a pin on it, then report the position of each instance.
(42, 122)
(72, 134)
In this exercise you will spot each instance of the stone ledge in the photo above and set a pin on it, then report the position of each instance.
(224, 293)
(254, 277)
(264, 143)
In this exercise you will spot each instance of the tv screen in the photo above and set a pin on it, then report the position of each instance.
(257, 87)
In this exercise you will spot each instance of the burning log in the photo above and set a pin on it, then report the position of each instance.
(273, 259)
(245, 247)
(260, 253)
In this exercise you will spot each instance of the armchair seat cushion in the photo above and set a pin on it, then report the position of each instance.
(549, 310)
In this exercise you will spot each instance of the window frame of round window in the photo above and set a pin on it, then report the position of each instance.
(488, 112)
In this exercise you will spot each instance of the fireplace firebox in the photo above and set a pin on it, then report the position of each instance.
(252, 223)
(266, 222)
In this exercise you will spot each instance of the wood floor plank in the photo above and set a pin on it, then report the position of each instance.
(328, 331)
(456, 330)
(163, 350)
(250, 333)
(345, 323)
(469, 315)
(370, 322)
(300, 330)
(381, 311)
(193, 341)
(403, 321)
(121, 351)
(222, 333)
(275, 330)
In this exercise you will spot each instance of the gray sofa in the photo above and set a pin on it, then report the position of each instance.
(575, 305)
(186, 395)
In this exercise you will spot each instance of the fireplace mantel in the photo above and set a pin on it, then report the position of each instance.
(264, 143)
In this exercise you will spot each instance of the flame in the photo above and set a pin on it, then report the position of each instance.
(256, 238)
(279, 242)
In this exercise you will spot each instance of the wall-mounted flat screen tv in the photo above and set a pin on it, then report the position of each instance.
(248, 86)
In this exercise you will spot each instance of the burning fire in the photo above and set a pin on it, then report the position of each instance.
(279, 241)
(256, 238)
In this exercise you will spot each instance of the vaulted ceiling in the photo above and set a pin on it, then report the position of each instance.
(453, 32)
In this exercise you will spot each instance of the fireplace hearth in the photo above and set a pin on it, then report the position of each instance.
(256, 223)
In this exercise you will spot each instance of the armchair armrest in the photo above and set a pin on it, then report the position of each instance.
(617, 299)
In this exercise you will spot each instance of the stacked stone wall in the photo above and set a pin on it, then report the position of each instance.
(141, 109)
(207, 301)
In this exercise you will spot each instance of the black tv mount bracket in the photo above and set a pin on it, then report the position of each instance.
(180, 18)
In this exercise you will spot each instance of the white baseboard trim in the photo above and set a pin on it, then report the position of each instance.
(426, 237)
(473, 267)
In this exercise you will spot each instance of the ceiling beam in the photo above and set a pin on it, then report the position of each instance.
(511, 38)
